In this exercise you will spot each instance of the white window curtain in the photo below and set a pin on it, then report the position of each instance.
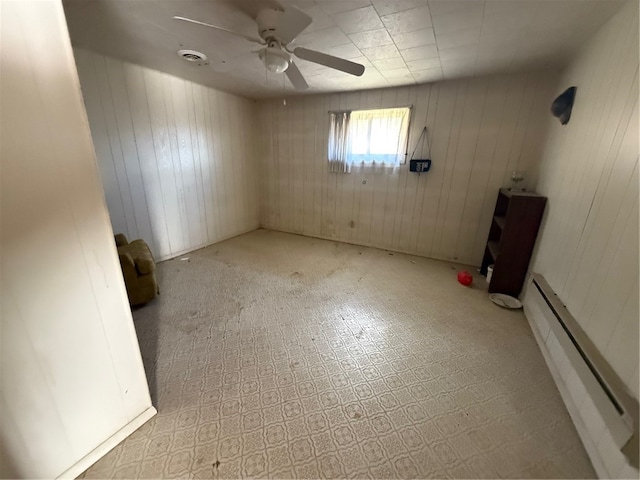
(339, 142)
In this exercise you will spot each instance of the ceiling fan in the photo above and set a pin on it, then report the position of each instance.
(277, 28)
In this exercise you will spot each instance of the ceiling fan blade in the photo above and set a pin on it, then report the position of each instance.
(293, 22)
(329, 61)
(197, 22)
(295, 77)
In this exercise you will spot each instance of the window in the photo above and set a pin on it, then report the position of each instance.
(368, 137)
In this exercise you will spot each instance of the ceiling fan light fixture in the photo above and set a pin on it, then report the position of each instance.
(278, 27)
(275, 59)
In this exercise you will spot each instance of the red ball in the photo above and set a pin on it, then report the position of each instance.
(465, 278)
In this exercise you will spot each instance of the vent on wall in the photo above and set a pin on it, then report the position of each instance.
(603, 411)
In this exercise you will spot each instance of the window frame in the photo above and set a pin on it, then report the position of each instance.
(373, 162)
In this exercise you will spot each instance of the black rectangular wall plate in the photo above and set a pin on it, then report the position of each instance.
(419, 166)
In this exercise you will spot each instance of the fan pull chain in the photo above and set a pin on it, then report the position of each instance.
(284, 100)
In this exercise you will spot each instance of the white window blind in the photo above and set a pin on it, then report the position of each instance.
(368, 137)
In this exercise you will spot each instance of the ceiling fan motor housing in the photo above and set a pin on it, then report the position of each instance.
(268, 21)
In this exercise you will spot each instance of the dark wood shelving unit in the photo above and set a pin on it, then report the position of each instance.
(500, 221)
(512, 236)
(493, 248)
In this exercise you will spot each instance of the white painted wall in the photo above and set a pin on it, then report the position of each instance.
(176, 158)
(588, 245)
(71, 372)
(480, 131)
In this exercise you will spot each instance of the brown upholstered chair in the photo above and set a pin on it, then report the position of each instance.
(138, 268)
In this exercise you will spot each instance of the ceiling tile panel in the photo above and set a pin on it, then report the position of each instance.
(444, 7)
(389, 63)
(359, 20)
(371, 75)
(418, 38)
(503, 36)
(386, 7)
(464, 52)
(459, 21)
(377, 82)
(408, 20)
(405, 80)
(456, 70)
(381, 53)
(494, 51)
(332, 74)
(309, 67)
(493, 69)
(561, 13)
(338, 6)
(420, 53)
(501, 14)
(314, 80)
(348, 51)
(497, 63)
(417, 65)
(372, 38)
(397, 73)
(329, 37)
(468, 37)
(364, 61)
(430, 75)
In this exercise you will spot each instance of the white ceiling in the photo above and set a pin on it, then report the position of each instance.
(400, 42)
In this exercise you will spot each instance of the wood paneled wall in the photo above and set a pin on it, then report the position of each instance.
(480, 131)
(72, 380)
(176, 158)
(588, 246)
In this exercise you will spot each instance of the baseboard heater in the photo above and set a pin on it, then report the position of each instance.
(604, 412)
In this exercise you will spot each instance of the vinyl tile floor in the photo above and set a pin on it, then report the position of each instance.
(281, 356)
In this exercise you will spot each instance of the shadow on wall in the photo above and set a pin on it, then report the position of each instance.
(147, 332)
(7, 466)
(140, 276)
(147, 320)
